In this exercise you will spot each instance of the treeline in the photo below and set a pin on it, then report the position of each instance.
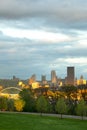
(44, 103)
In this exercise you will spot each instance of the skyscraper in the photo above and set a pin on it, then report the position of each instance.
(44, 81)
(70, 76)
(43, 77)
(53, 76)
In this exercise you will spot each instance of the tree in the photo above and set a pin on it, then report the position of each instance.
(19, 104)
(42, 104)
(81, 108)
(61, 106)
(3, 103)
(71, 106)
(10, 104)
(71, 95)
(28, 97)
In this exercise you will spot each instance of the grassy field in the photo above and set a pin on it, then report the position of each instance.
(36, 122)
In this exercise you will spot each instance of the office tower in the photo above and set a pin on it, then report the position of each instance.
(53, 76)
(43, 77)
(70, 75)
(44, 81)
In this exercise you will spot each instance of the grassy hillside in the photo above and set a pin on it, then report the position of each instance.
(35, 122)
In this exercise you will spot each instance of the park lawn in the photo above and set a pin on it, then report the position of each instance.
(9, 121)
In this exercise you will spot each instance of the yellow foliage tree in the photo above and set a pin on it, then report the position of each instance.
(19, 104)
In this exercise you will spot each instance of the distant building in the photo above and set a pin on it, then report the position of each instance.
(81, 81)
(70, 79)
(32, 79)
(43, 79)
(60, 82)
(15, 78)
(35, 85)
(53, 76)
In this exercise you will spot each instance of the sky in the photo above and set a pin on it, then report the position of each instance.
(37, 36)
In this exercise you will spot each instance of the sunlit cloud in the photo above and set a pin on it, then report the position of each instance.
(82, 39)
(72, 60)
(82, 44)
(80, 60)
(38, 35)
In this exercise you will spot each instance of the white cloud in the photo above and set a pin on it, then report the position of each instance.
(85, 70)
(79, 61)
(38, 35)
(72, 60)
(82, 39)
(82, 44)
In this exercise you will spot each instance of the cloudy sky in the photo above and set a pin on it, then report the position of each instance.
(37, 36)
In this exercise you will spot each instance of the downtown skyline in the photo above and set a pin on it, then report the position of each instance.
(70, 74)
(39, 36)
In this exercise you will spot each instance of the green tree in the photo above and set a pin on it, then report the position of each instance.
(42, 104)
(81, 108)
(71, 110)
(61, 106)
(19, 104)
(3, 103)
(70, 92)
(10, 104)
(28, 97)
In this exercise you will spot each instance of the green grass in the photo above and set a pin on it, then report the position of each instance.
(36, 122)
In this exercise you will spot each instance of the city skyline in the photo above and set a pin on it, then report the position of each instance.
(38, 36)
(70, 76)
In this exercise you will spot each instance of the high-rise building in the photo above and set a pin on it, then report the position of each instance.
(44, 81)
(53, 76)
(43, 77)
(70, 76)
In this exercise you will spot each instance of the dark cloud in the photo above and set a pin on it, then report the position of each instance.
(65, 13)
